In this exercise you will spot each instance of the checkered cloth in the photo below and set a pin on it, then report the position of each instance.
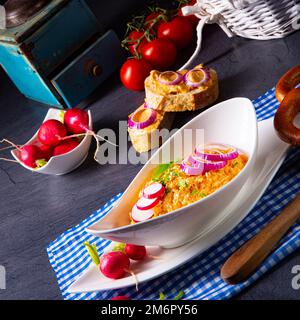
(200, 277)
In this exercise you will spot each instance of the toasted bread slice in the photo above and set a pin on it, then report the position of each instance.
(174, 98)
(149, 138)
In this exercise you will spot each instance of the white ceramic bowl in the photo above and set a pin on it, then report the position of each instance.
(231, 122)
(64, 163)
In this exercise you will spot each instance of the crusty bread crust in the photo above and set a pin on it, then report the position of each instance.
(147, 139)
(199, 98)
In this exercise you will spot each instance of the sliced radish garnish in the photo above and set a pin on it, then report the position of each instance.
(154, 190)
(138, 215)
(146, 203)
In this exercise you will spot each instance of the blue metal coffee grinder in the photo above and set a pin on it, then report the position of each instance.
(55, 51)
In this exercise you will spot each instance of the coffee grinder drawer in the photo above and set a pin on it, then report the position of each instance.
(84, 74)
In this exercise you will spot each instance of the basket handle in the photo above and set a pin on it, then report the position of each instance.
(200, 27)
(207, 14)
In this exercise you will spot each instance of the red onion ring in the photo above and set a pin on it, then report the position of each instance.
(217, 157)
(141, 125)
(199, 83)
(191, 170)
(207, 165)
(178, 78)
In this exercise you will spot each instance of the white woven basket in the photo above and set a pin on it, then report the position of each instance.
(253, 19)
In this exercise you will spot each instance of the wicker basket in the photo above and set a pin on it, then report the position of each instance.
(253, 19)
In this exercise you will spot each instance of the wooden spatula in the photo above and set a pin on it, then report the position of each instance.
(247, 258)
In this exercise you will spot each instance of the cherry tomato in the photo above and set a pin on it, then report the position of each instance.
(135, 36)
(179, 30)
(192, 18)
(160, 53)
(134, 72)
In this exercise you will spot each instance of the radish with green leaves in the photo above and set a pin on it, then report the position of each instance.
(113, 265)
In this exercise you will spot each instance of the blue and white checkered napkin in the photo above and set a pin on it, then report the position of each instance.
(200, 277)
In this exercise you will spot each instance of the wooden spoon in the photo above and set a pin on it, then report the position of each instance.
(247, 258)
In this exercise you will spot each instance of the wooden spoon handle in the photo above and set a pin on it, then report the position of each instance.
(247, 258)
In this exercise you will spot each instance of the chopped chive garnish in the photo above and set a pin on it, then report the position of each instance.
(194, 192)
(182, 184)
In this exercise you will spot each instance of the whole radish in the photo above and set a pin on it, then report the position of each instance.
(120, 298)
(135, 252)
(113, 265)
(65, 146)
(29, 154)
(77, 121)
(52, 132)
(47, 151)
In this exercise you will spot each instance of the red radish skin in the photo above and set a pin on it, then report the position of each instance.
(135, 252)
(46, 151)
(146, 203)
(154, 190)
(76, 121)
(29, 154)
(120, 298)
(65, 147)
(114, 265)
(52, 132)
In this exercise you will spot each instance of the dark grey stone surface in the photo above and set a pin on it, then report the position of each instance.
(35, 209)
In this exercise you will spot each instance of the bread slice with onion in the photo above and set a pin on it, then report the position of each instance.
(144, 127)
(185, 90)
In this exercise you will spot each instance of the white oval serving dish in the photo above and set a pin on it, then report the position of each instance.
(230, 122)
(65, 163)
(270, 155)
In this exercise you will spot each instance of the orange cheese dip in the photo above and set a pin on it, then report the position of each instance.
(182, 189)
